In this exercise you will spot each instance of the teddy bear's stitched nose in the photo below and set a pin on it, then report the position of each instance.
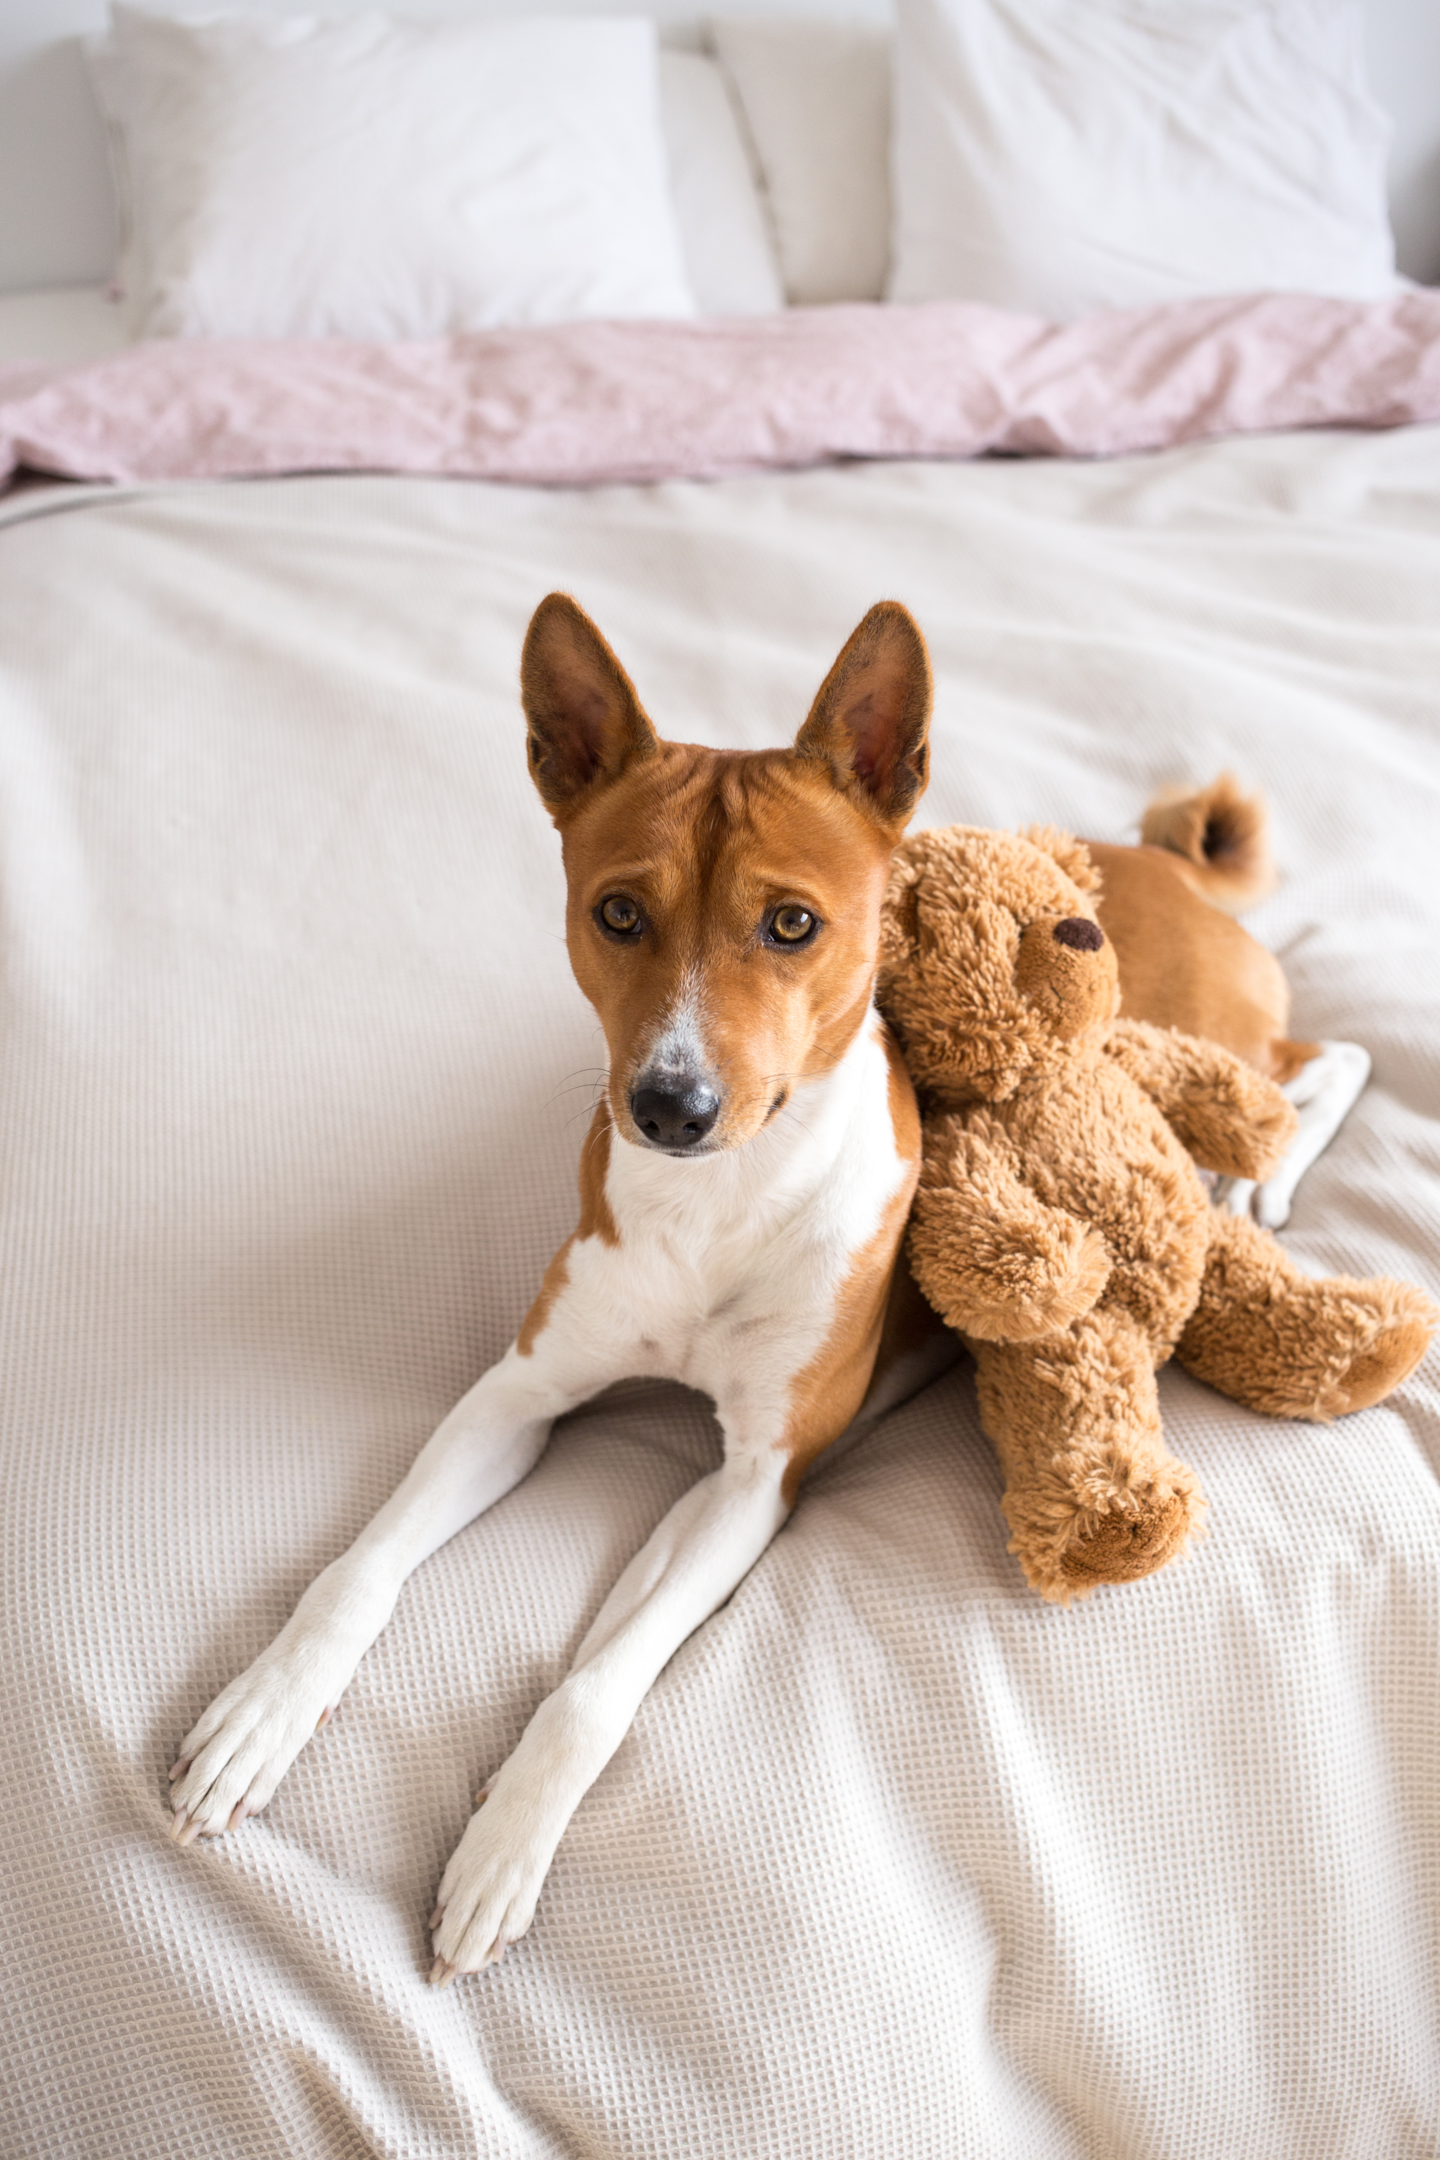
(1079, 931)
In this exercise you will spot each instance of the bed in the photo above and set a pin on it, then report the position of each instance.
(896, 1858)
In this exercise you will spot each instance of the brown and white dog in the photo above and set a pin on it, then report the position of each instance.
(743, 1194)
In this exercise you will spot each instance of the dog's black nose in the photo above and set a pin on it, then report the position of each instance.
(1079, 932)
(675, 1121)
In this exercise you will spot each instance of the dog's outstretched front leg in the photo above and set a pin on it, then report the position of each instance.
(705, 1546)
(232, 1760)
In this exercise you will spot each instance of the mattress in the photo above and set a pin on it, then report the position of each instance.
(896, 1859)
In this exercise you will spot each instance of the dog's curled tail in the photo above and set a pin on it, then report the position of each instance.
(1223, 834)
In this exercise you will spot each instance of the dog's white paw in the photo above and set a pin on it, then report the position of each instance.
(489, 1890)
(233, 1759)
(1324, 1091)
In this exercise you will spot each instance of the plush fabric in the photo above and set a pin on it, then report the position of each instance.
(897, 1859)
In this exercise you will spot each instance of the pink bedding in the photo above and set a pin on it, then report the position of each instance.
(591, 402)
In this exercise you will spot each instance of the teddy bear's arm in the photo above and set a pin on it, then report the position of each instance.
(1230, 1117)
(994, 1260)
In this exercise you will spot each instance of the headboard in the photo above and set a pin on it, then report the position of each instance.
(57, 210)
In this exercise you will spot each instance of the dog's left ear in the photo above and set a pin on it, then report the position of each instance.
(869, 721)
(585, 721)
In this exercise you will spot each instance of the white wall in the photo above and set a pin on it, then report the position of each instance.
(57, 216)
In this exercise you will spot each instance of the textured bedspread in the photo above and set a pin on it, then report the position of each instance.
(897, 1860)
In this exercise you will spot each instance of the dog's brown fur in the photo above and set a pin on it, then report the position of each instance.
(1166, 908)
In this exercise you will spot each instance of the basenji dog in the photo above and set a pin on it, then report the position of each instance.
(743, 1196)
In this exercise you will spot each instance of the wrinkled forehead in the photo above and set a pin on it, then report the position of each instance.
(729, 830)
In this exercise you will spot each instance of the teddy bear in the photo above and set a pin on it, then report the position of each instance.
(1061, 1225)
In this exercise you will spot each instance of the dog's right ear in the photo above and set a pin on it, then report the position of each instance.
(585, 721)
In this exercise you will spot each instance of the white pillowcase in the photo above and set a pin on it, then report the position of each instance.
(728, 252)
(816, 98)
(1057, 157)
(382, 179)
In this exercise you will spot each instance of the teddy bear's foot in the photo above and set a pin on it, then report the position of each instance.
(1125, 1548)
(1407, 1324)
(1112, 1513)
(1294, 1345)
(1093, 1495)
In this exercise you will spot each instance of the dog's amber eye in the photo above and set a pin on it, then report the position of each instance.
(620, 915)
(792, 925)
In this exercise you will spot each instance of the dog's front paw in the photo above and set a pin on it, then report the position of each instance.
(232, 1760)
(489, 1890)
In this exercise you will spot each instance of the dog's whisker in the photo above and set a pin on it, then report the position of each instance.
(581, 1075)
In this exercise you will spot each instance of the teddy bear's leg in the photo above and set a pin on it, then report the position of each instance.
(1093, 1494)
(1295, 1345)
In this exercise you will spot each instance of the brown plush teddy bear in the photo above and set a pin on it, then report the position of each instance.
(1061, 1226)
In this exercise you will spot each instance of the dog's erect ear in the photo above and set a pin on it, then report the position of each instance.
(868, 723)
(585, 721)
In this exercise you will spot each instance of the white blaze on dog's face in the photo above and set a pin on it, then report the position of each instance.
(724, 906)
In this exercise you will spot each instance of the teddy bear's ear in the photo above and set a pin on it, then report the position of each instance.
(1072, 855)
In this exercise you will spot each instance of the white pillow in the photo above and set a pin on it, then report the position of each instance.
(382, 179)
(728, 252)
(816, 98)
(1057, 157)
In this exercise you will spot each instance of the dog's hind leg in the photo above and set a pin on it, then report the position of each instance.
(235, 1756)
(691, 1563)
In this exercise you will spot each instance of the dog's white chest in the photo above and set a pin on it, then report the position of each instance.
(727, 1271)
(705, 1314)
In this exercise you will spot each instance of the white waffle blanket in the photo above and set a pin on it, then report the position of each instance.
(897, 1860)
